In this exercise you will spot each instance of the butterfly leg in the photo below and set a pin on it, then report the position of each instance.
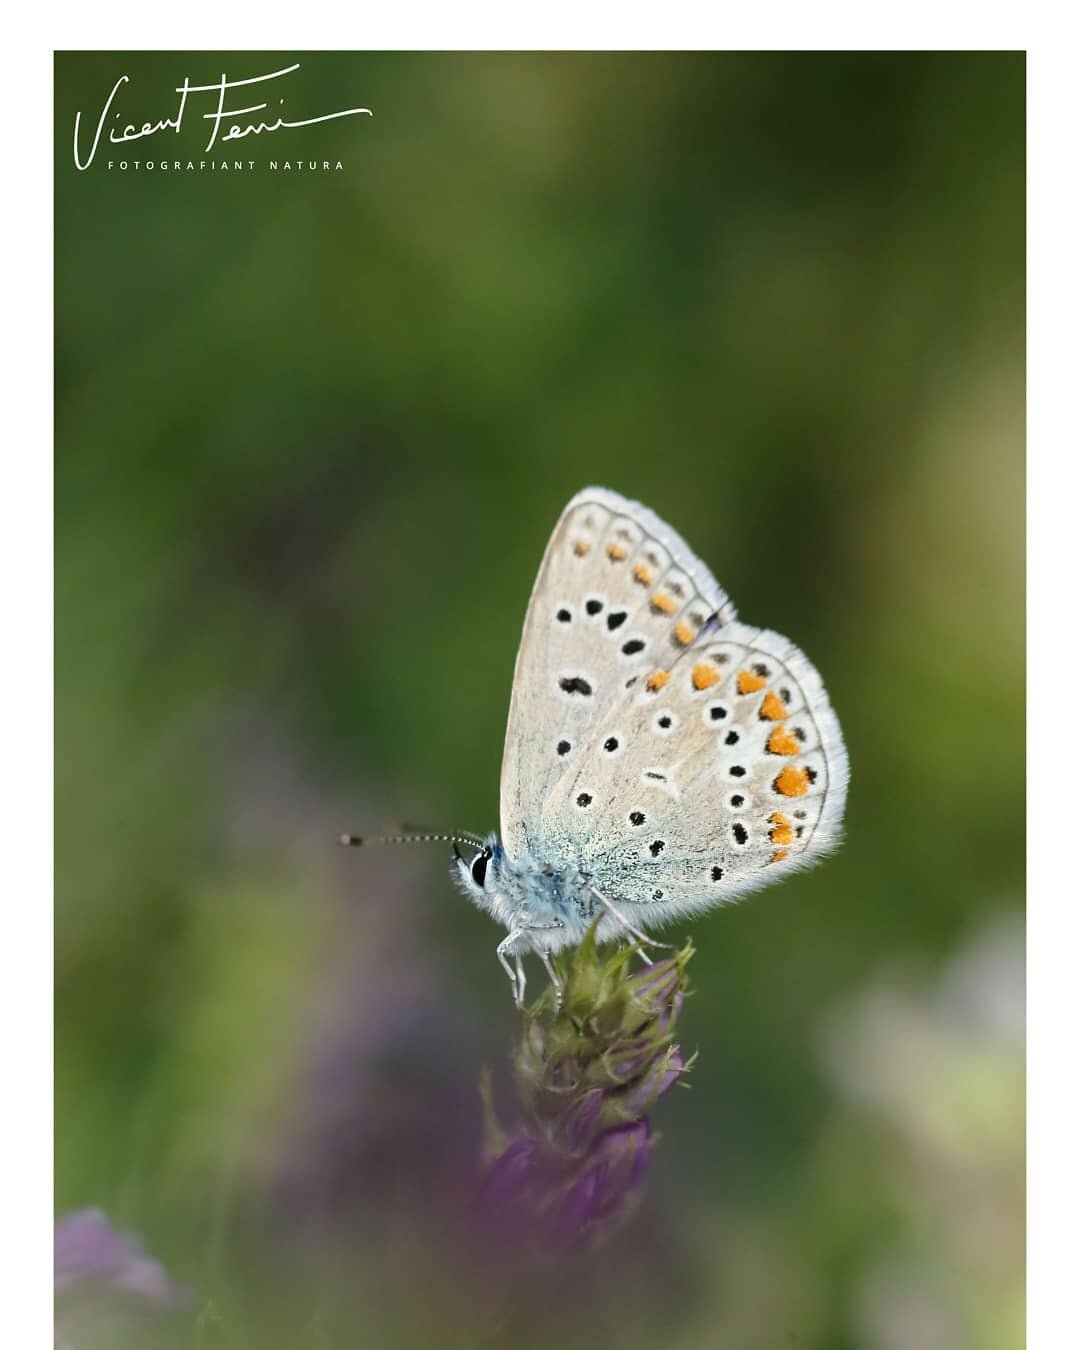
(516, 972)
(625, 923)
(553, 975)
(519, 965)
(502, 951)
(545, 956)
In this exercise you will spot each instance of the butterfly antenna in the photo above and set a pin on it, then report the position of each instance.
(410, 835)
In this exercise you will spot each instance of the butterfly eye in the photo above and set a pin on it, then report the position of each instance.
(480, 866)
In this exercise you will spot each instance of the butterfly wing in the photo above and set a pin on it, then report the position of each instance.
(680, 757)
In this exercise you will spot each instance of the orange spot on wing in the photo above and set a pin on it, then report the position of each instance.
(684, 634)
(748, 682)
(779, 856)
(783, 833)
(704, 676)
(616, 552)
(663, 603)
(657, 680)
(792, 782)
(772, 708)
(782, 742)
(580, 548)
(642, 574)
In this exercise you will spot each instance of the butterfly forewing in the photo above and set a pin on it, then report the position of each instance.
(570, 663)
(676, 755)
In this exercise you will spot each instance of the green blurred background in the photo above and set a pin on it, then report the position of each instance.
(312, 434)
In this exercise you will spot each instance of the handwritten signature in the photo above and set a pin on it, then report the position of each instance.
(234, 132)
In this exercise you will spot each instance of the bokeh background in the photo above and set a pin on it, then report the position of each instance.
(312, 434)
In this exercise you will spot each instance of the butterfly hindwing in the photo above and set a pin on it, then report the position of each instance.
(677, 755)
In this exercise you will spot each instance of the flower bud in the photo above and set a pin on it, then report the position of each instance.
(588, 1069)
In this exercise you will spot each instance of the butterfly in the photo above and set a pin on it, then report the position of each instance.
(661, 756)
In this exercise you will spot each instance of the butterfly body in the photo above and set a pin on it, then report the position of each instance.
(661, 757)
(546, 907)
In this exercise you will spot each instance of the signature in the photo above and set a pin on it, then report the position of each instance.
(235, 130)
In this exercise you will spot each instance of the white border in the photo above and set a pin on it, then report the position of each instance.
(1053, 651)
(1054, 503)
(26, 785)
(560, 25)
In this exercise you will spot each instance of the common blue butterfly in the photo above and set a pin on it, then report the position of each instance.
(661, 756)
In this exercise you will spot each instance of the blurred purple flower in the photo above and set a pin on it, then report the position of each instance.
(587, 1073)
(106, 1285)
(616, 1165)
(507, 1177)
(376, 1106)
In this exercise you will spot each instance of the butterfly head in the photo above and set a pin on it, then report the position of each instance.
(483, 875)
(476, 871)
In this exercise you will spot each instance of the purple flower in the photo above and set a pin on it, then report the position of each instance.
(665, 1070)
(658, 983)
(587, 1073)
(616, 1166)
(505, 1180)
(105, 1283)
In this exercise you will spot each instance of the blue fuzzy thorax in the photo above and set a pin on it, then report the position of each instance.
(552, 906)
